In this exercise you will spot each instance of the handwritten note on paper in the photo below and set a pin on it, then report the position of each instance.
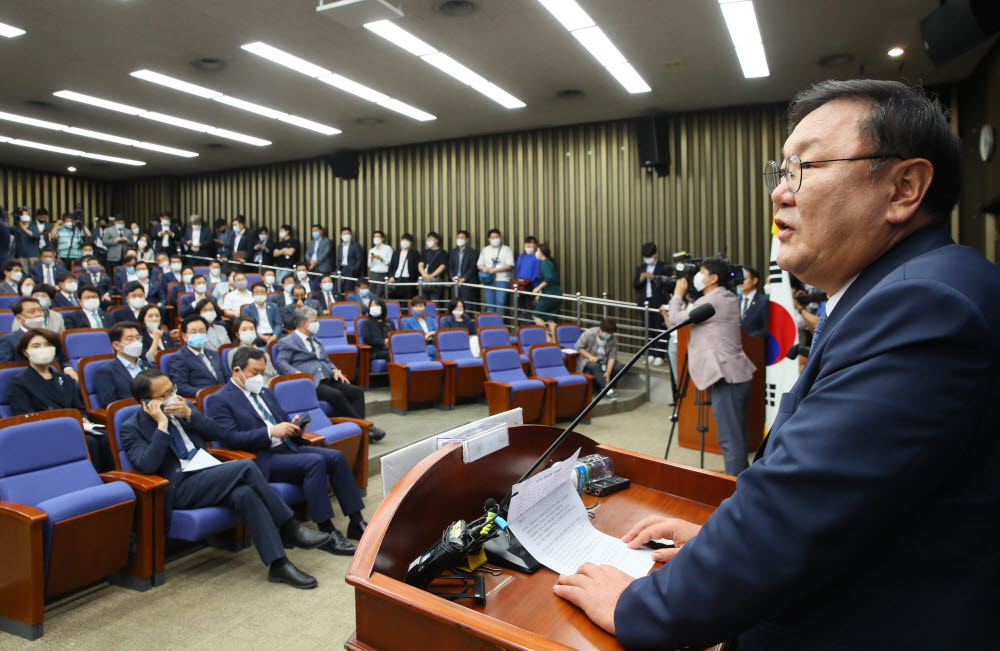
(549, 518)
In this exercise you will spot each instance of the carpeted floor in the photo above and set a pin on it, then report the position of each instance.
(215, 599)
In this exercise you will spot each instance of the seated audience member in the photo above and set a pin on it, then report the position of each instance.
(265, 314)
(40, 388)
(94, 275)
(195, 366)
(28, 315)
(151, 288)
(361, 295)
(302, 278)
(47, 268)
(301, 352)
(174, 273)
(326, 296)
(754, 305)
(90, 315)
(219, 285)
(251, 419)
(418, 320)
(162, 438)
(144, 251)
(598, 348)
(234, 301)
(243, 333)
(113, 379)
(185, 283)
(66, 296)
(218, 336)
(154, 337)
(44, 294)
(162, 267)
(376, 328)
(13, 273)
(285, 297)
(135, 300)
(457, 317)
(298, 301)
(125, 274)
(271, 282)
(199, 287)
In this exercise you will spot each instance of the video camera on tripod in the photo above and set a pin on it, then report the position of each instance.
(685, 266)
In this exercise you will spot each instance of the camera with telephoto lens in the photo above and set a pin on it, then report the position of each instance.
(810, 299)
(687, 267)
(78, 219)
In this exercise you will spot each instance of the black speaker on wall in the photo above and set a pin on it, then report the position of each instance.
(344, 163)
(653, 137)
(958, 26)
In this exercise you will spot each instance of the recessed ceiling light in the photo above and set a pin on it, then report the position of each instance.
(399, 36)
(208, 93)
(10, 31)
(87, 133)
(70, 169)
(68, 152)
(592, 37)
(160, 117)
(337, 81)
(741, 20)
(895, 52)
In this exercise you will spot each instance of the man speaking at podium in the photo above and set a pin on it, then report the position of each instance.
(871, 518)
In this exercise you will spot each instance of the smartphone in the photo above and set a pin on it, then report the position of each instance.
(304, 419)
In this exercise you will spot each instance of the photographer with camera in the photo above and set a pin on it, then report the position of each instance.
(715, 357)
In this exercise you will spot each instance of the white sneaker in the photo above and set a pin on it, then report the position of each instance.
(649, 359)
(611, 395)
(658, 361)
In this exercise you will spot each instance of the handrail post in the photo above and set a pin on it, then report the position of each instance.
(517, 306)
(420, 287)
(604, 308)
(339, 292)
(579, 309)
(645, 327)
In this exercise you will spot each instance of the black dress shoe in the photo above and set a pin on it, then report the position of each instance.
(293, 534)
(339, 545)
(356, 529)
(375, 434)
(293, 576)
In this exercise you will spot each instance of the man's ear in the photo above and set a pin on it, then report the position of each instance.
(910, 180)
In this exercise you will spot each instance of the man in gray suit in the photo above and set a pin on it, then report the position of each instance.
(716, 360)
(301, 352)
(318, 251)
(117, 239)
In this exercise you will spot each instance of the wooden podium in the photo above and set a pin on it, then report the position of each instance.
(521, 612)
(687, 419)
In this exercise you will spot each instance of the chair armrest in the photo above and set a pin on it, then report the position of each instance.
(99, 416)
(547, 381)
(365, 425)
(136, 480)
(448, 363)
(313, 439)
(22, 512)
(223, 454)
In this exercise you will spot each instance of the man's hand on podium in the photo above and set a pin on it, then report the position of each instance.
(595, 590)
(655, 527)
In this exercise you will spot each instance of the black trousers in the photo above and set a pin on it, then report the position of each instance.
(346, 399)
(380, 354)
(317, 468)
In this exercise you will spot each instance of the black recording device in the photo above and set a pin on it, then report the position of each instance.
(811, 297)
(460, 541)
(604, 487)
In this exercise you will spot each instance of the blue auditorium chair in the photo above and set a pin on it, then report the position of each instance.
(333, 335)
(508, 387)
(413, 375)
(572, 391)
(85, 342)
(455, 353)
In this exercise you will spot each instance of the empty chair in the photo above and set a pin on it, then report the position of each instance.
(7, 371)
(63, 526)
(342, 353)
(163, 360)
(494, 320)
(348, 311)
(7, 301)
(497, 337)
(6, 321)
(202, 271)
(567, 335)
(508, 387)
(253, 278)
(456, 354)
(414, 376)
(85, 342)
(394, 312)
(572, 390)
(528, 336)
(87, 368)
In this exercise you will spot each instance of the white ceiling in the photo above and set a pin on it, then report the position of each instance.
(91, 47)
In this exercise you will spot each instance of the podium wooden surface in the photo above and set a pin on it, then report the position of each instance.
(687, 420)
(521, 612)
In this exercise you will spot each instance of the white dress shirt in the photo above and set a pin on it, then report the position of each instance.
(275, 440)
(380, 266)
(236, 299)
(343, 253)
(264, 327)
(403, 271)
(195, 238)
(745, 301)
(650, 268)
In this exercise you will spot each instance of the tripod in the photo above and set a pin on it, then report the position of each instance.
(702, 401)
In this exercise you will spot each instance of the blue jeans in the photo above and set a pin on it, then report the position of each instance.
(496, 301)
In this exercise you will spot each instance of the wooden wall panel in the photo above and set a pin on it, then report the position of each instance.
(58, 193)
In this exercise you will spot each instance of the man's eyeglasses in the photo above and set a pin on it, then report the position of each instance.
(792, 173)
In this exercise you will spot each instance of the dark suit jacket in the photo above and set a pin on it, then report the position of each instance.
(271, 312)
(4, 241)
(467, 270)
(26, 244)
(247, 240)
(288, 313)
(324, 264)
(267, 255)
(204, 241)
(439, 258)
(121, 279)
(62, 301)
(8, 288)
(754, 320)
(28, 392)
(153, 293)
(37, 274)
(191, 375)
(171, 248)
(167, 277)
(355, 297)
(658, 298)
(824, 544)
(355, 259)
(177, 290)
(113, 381)
(124, 313)
(103, 284)
(412, 260)
(77, 319)
(147, 340)
(222, 240)
(320, 297)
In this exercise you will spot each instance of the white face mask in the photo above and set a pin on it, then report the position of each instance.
(152, 326)
(45, 302)
(269, 280)
(215, 272)
(494, 241)
(199, 288)
(186, 278)
(142, 245)
(175, 266)
(25, 219)
(91, 304)
(41, 356)
(27, 290)
(288, 289)
(301, 275)
(699, 281)
(260, 299)
(133, 349)
(460, 242)
(164, 265)
(375, 311)
(326, 287)
(71, 287)
(282, 234)
(345, 238)
(539, 256)
(430, 244)
(648, 260)
(530, 250)
(458, 313)
(247, 336)
(137, 303)
(16, 276)
(34, 322)
(142, 274)
(405, 244)
(135, 231)
(313, 327)
(377, 241)
(253, 384)
(210, 316)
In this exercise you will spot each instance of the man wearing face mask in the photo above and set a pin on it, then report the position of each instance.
(13, 272)
(302, 278)
(47, 268)
(403, 268)
(286, 252)
(462, 266)
(142, 278)
(114, 378)
(362, 296)
(433, 266)
(28, 315)
(265, 314)
(318, 251)
(525, 275)
(716, 360)
(187, 284)
(173, 273)
(650, 290)
(598, 348)
(271, 282)
(297, 299)
(194, 366)
(251, 419)
(197, 238)
(326, 296)
(263, 250)
(135, 298)
(234, 301)
(91, 315)
(350, 258)
(94, 275)
(242, 241)
(125, 274)
(26, 237)
(117, 239)
(379, 257)
(495, 263)
(165, 235)
(66, 296)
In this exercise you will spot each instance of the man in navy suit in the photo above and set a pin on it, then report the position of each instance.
(91, 315)
(754, 306)
(47, 268)
(13, 273)
(194, 366)
(649, 287)
(162, 438)
(326, 296)
(135, 300)
(124, 274)
(68, 286)
(350, 258)
(869, 520)
(95, 277)
(198, 238)
(113, 380)
(265, 314)
(251, 419)
(317, 253)
(165, 235)
(240, 241)
(462, 266)
(263, 248)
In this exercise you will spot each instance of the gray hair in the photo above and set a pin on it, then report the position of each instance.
(303, 314)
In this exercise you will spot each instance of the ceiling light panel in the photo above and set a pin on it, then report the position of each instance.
(69, 152)
(335, 80)
(402, 38)
(10, 31)
(208, 93)
(593, 38)
(741, 21)
(161, 117)
(97, 135)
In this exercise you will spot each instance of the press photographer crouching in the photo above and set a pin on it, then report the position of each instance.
(715, 356)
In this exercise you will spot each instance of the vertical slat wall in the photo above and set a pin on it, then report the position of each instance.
(139, 200)
(579, 188)
(57, 193)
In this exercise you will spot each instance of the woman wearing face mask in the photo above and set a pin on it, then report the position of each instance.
(243, 332)
(403, 269)
(375, 330)
(45, 295)
(286, 252)
(419, 320)
(547, 310)
(144, 252)
(457, 317)
(70, 239)
(40, 387)
(379, 257)
(154, 337)
(240, 296)
(217, 335)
